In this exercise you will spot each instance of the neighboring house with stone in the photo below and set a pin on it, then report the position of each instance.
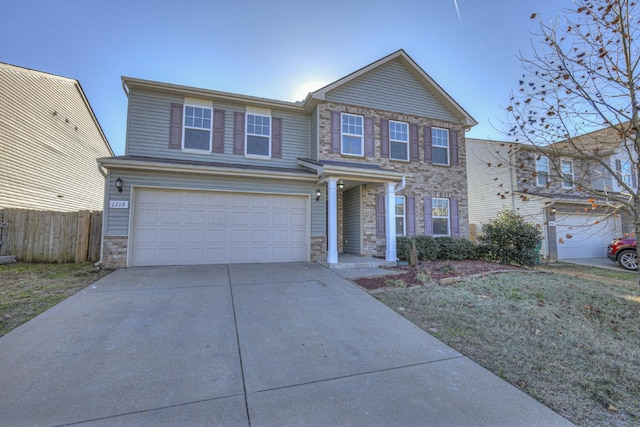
(49, 142)
(544, 185)
(215, 177)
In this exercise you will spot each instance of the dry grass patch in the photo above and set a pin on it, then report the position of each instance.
(27, 290)
(573, 344)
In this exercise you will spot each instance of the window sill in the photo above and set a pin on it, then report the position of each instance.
(194, 151)
(257, 156)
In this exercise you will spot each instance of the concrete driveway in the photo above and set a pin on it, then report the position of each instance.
(239, 345)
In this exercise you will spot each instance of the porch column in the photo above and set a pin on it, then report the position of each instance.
(390, 221)
(332, 217)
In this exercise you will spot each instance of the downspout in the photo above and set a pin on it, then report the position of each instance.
(402, 185)
(104, 216)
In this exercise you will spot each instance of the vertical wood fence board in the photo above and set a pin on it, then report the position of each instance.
(95, 236)
(46, 236)
(83, 227)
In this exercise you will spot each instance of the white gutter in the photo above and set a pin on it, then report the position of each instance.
(202, 169)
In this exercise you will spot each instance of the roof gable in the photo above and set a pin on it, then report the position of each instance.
(395, 83)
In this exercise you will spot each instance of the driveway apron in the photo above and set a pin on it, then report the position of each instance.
(240, 345)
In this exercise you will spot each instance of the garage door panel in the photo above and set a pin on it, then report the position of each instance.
(583, 236)
(196, 227)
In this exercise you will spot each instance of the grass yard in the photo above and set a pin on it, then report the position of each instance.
(570, 342)
(27, 290)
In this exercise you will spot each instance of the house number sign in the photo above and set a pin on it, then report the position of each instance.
(119, 204)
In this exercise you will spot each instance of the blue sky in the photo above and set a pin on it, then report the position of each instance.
(277, 49)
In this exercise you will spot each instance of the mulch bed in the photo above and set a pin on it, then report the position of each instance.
(436, 270)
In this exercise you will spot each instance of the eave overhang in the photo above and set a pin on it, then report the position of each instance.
(131, 163)
(352, 171)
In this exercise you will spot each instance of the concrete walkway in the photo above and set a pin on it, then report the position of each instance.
(239, 345)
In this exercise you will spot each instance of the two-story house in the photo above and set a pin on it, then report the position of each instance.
(547, 186)
(215, 177)
(49, 142)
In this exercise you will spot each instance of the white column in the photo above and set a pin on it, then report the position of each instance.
(390, 221)
(332, 216)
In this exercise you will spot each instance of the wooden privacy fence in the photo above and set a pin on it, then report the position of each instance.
(47, 236)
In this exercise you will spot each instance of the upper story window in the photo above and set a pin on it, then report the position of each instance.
(197, 128)
(352, 135)
(626, 173)
(440, 215)
(400, 216)
(566, 167)
(258, 139)
(542, 171)
(399, 140)
(440, 146)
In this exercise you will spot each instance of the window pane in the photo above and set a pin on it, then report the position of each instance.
(351, 145)
(195, 139)
(398, 150)
(440, 155)
(351, 124)
(543, 178)
(399, 226)
(439, 137)
(399, 131)
(197, 117)
(257, 145)
(441, 226)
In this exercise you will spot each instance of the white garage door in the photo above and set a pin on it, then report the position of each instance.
(579, 236)
(201, 227)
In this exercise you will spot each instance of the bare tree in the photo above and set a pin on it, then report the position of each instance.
(581, 77)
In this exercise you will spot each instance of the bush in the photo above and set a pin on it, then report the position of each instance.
(455, 249)
(509, 239)
(402, 247)
(427, 248)
(430, 248)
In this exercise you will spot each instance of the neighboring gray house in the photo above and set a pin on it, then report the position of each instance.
(522, 177)
(49, 140)
(215, 177)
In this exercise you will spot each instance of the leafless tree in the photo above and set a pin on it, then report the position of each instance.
(582, 76)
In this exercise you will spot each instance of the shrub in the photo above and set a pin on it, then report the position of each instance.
(427, 248)
(455, 249)
(402, 247)
(430, 248)
(508, 238)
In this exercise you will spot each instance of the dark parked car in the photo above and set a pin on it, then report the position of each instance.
(623, 251)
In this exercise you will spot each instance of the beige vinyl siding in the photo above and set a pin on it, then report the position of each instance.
(117, 223)
(148, 133)
(49, 143)
(392, 87)
(485, 182)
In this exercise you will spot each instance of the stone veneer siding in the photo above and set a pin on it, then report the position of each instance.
(318, 248)
(114, 251)
(426, 180)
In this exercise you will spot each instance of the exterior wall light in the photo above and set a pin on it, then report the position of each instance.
(119, 185)
(341, 184)
(553, 211)
(318, 193)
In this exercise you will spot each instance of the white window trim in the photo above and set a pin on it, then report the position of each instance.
(246, 134)
(539, 170)
(342, 115)
(448, 217)
(440, 146)
(399, 141)
(564, 184)
(185, 127)
(404, 215)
